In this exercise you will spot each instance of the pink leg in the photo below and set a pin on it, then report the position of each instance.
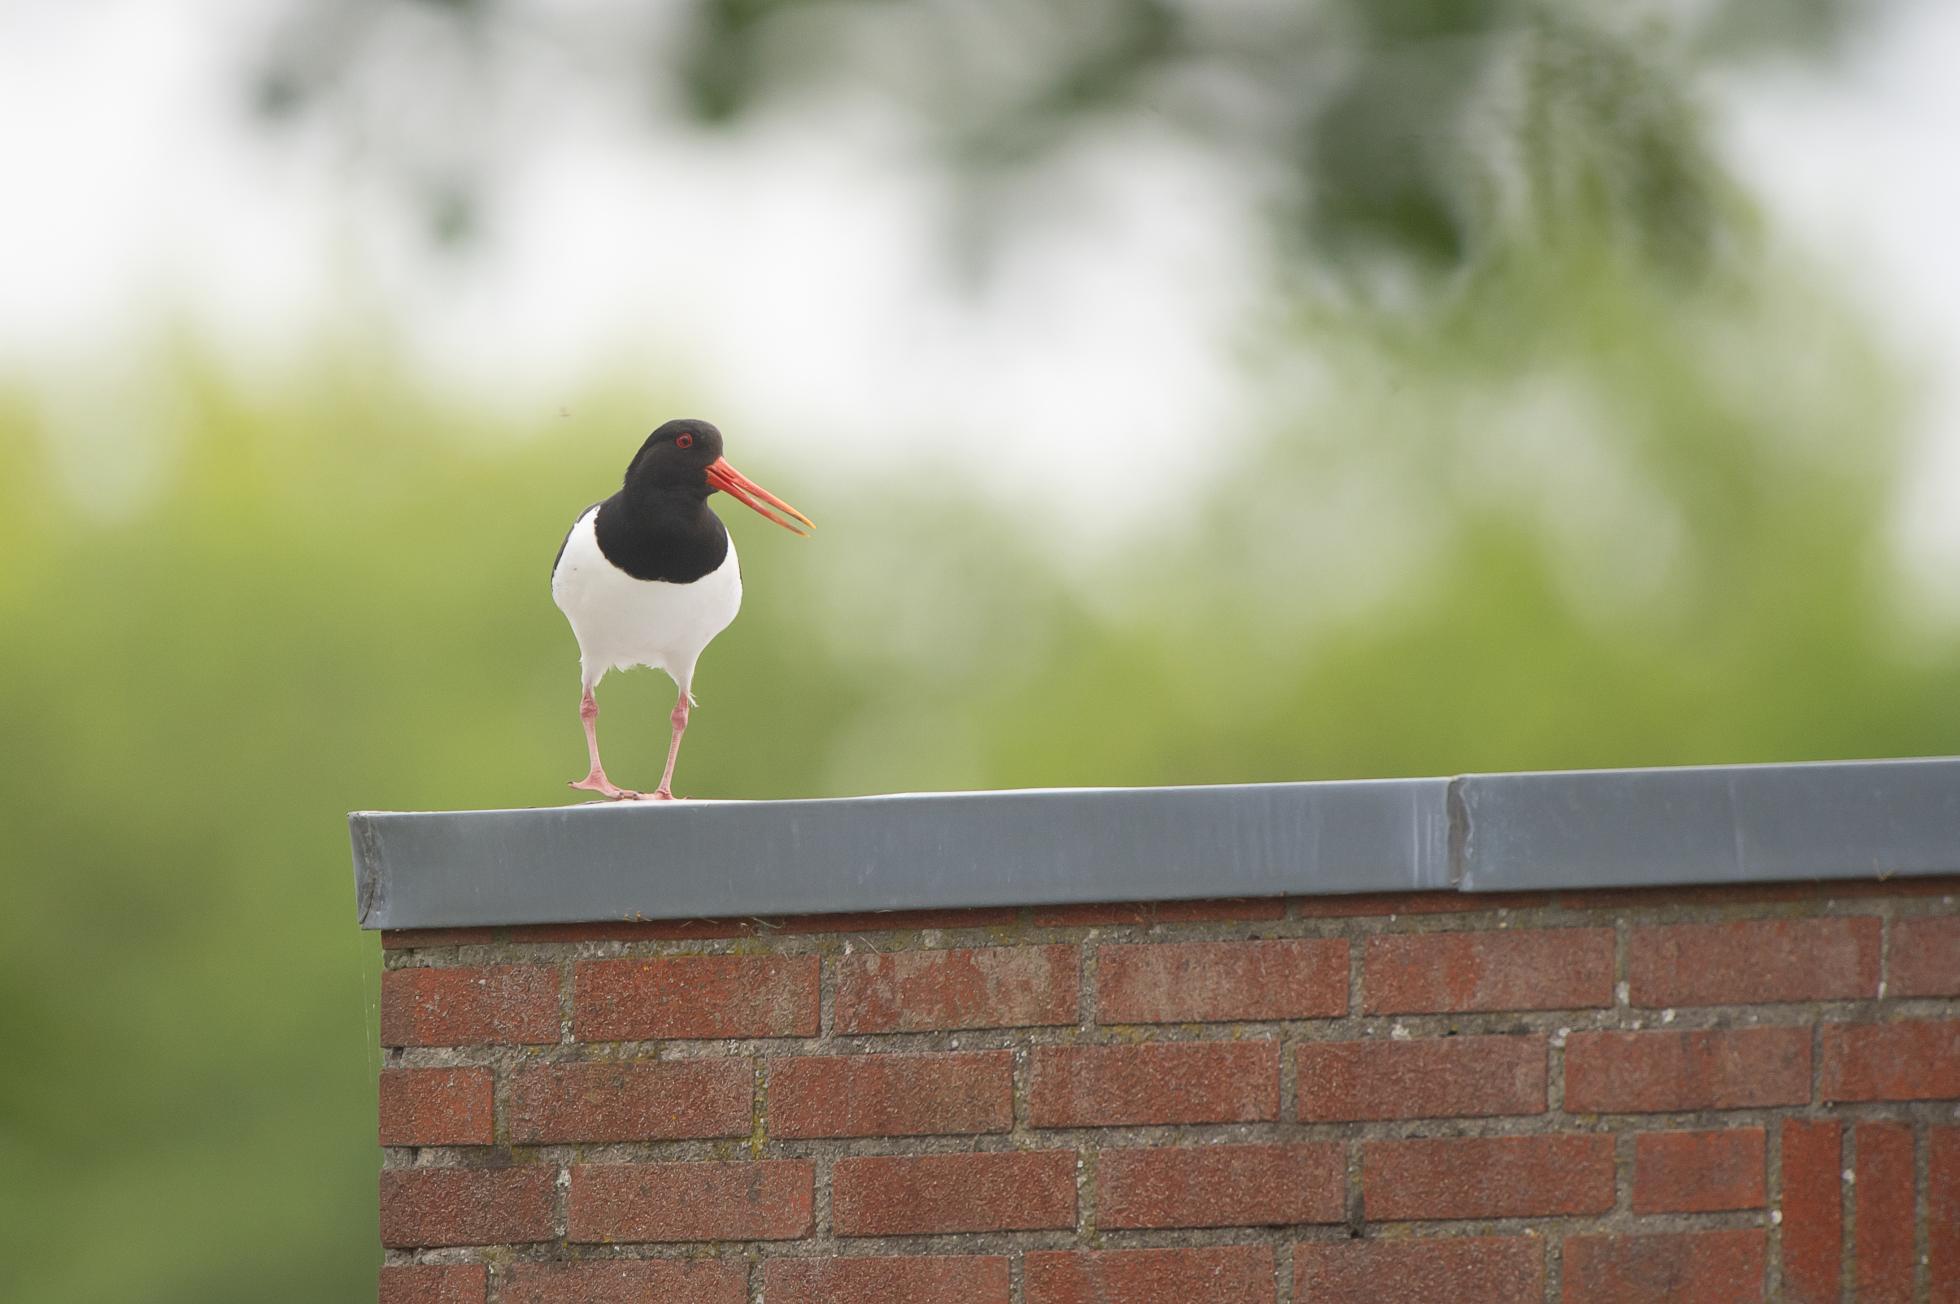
(596, 780)
(665, 792)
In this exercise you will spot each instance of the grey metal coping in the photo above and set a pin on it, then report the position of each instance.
(1472, 833)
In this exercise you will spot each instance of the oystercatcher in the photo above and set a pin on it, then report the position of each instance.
(648, 577)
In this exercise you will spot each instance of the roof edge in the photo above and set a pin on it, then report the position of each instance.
(1472, 833)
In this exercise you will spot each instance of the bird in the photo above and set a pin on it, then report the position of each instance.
(649, 576)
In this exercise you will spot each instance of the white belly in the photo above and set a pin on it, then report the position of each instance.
(621, 622)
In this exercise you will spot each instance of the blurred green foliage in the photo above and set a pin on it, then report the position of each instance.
(1614, 490)
(1425, 135)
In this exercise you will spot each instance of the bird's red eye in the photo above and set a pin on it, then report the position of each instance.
(683, 441)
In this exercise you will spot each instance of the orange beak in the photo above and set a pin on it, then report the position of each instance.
(753, 496)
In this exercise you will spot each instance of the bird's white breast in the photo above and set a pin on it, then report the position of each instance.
(621, 621)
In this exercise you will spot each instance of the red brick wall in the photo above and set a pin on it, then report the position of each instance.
(1713, 1094)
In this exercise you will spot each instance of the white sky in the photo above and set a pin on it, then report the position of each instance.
(139, 196)
(1861, 171)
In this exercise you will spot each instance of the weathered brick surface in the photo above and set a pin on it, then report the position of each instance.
(467, 1206)
(644, 1100)
(1882, 1256)
(1215, 982)
(696, 996)
(737, 1200)
(908, 1195)
(1518, 969)
(1460, 1269)
(1890, 1061)
(889, 1279)
(438, 1107)
(891, 1095)
(1242, 1274)
(1661, 1071)
(469, 1004)
(1435, 1077)
(1170, 1082)
(627, 1281)
(1813, 1211)
(1221, 1186)
(1176, 1102)
(1715, 1267)
(1943, 1213)
(1924, 959)
(1700, 1172)
(1486, 1177)
(1752, 962)
(985, 987)
(434, 1283)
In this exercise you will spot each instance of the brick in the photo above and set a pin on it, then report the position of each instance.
(1661, 1072)
(1435, 1077)
(1217, 982)
(1151, 913)
(889, 1279)
(503, 1004)
(1529, 969)
(1487, 1177)
(646, 1100)
(696, 996)
(1754, 961)
(1813, 1211)
(910, 1195)
(435, 1283)
(1460, 1269)
(627, 1281)
(1924, 959)
(1945, 885)
(1890, 1061)
(1721, 1267)
(891, 1095)
(1700, 1172)
(467, 1206)
(1162, 1082)
(1242, 1274)
(987, 987)
(762, 1200)
(1882, 1253)
(1221, 1186)
(438, 1107)
(1943, 1213)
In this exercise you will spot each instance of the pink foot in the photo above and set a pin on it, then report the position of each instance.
(599, 783)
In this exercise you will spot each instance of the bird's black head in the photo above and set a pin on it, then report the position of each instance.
(684, 458)
(676, 457)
